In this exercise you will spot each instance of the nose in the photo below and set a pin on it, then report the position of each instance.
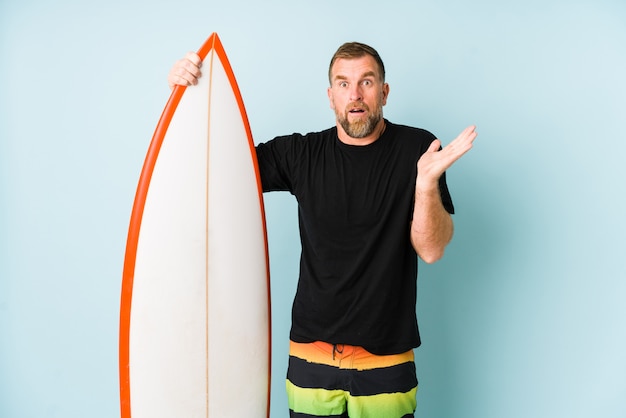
(355, 93)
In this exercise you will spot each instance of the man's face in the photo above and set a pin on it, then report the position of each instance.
(357, 95)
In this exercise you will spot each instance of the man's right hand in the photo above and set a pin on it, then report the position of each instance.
(185, 71)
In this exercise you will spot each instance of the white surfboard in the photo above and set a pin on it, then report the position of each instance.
(195, 313)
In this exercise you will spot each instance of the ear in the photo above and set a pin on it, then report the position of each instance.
(385, 93)
(329, 91)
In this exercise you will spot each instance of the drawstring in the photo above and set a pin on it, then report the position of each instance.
(337, 350)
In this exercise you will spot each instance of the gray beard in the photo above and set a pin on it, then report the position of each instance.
(360, 128)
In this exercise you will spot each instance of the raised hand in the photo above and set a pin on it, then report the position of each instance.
(434, 162)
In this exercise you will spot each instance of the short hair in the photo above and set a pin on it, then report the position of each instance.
(352, 50)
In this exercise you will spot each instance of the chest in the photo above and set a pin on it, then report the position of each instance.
(357, 188)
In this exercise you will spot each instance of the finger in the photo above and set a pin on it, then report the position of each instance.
(189, 75)
(470, 136)
(189, 69)
(464, 135)
(469, 130)
(469, 133)
(461, 144)
(175, 80)
(185, 72)
(181, 78)
(464, 140)
(194, 58)
(434, 146)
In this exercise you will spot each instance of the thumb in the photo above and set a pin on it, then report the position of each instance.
(434, 146)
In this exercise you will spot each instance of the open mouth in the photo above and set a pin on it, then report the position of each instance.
(357, 108)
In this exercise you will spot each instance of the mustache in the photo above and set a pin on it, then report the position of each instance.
(357, 105)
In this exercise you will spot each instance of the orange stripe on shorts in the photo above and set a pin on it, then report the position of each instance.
(346, 356)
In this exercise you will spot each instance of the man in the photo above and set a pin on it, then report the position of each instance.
(372, 196)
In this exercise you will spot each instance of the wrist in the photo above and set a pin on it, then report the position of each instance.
(426, 187)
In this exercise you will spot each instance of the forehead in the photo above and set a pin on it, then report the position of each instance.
(355, 67)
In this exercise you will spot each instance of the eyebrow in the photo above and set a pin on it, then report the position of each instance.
(365, 75)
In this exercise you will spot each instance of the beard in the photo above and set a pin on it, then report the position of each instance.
(362, 127)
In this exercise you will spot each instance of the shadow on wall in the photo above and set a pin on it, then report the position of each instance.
(458, 297)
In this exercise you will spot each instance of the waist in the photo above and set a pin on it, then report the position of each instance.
(346, 356)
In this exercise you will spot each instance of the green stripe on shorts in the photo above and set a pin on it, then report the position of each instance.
(319, 402)
(327, 403)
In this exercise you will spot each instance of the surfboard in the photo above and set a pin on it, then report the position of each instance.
(195, 305)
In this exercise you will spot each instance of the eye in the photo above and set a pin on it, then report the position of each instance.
(343, 84)
(367, 83)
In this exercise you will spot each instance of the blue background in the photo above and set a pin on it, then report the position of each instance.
(524, 317)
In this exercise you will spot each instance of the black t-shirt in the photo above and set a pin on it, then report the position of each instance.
(358, 269)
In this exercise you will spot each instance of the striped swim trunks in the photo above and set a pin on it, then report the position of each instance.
(326, 380)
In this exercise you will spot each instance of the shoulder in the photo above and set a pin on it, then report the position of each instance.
(411, 132)
(298, 139)
(409, 138)
(297, 143)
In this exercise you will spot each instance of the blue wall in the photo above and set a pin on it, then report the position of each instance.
(525, 315)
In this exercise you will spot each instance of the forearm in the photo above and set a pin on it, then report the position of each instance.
(432, 226)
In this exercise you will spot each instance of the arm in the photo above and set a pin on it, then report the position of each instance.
(185, 71)
(432, 227)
